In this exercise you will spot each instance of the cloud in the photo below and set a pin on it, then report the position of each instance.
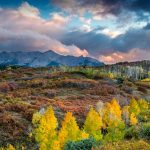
(94, 6)
(142, 5)
(110, 47)
(24, 29)
(102, 40)
(93, 42)
(27, 17)
(132, 55)
(103, 8)
(147, 27)
(27, 10)
(86, 21)
(34, 41)
(107, 6)
(85, 28)
(133, 38)
(110, 33)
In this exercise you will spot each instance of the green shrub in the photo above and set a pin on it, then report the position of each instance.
(125, 145)
(145, 130)
(132, 132)
(86, 144)
(115, 134)
(144, 116)
(120, 80)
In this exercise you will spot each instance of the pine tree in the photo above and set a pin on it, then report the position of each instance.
(93, 124)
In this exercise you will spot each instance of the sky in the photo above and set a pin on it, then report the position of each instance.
(107, 30)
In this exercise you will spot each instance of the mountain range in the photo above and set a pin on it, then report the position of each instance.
(45, 59)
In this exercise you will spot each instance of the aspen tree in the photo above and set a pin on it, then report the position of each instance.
(93, 124)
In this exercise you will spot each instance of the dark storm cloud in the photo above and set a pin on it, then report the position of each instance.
(134, 38)
(91, 41)
(143, 5)
(103, 44)
(79, 6)
(108, 6)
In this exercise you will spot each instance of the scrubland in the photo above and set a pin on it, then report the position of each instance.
(73, 108)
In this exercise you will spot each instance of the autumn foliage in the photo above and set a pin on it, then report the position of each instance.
(70, 130)
(45, 131)
(108, 123)
(93, 124)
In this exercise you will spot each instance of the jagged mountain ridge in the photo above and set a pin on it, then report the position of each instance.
(45, 59)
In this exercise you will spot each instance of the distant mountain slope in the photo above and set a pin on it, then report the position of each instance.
(49, 58)
(143, 63)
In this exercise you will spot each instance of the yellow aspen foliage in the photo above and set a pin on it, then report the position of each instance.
(70, 130)
(62, 137)
(126, 114)
(10, 147)
(84, 135)
(108, 115)
(111, 114)
(56, 145)
(45, 132)
(113, 121)
(36, 118)
(133, 119)
(43, 146)
(111, 75)
(143, 105)
(115, 132)
(93, 124)
(100, 107)
(134, 107)
(116, 107)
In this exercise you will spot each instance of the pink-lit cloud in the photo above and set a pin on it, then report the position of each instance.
(25, 29)
(133, 55)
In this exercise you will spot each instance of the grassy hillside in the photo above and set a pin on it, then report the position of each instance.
(24, 91)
